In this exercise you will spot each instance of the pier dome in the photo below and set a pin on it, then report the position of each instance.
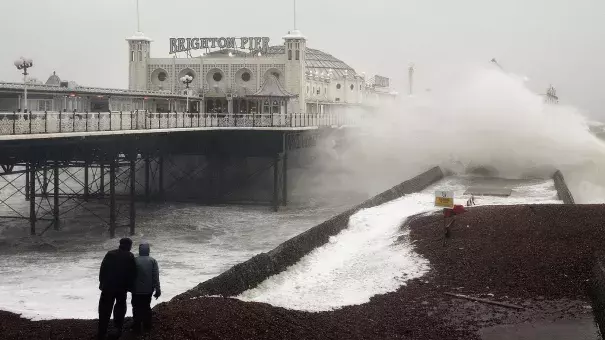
(54, 80)
(317, 60)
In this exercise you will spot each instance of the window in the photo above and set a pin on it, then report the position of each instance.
(246, 76)
(131, 55)
(352, 87)
(307, 89)
(217, 76)
(289, 54)
(337, 99)
(162, 76)
(338, 86)
(297, 55)
(275, 107)
(140, 56)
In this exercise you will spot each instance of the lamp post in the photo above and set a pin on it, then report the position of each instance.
(24, 64)
(187, 79)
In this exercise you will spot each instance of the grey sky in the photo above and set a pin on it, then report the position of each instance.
(558, 41)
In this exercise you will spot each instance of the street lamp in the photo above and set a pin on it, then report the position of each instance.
(24, 64)
(187, 79)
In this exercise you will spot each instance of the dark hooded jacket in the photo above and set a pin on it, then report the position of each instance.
(118, 270)
(148, 272)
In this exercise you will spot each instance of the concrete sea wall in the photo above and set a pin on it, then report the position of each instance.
(562, 189)
(597, 292)
(249, 274)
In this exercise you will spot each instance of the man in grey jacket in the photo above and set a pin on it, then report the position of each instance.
(147, 281)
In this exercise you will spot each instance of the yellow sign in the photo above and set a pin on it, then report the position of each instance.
(444, 199)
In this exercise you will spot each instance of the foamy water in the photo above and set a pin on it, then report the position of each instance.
(366, 259)
(191, 244)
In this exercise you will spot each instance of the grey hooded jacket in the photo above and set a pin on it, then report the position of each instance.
(148, 272)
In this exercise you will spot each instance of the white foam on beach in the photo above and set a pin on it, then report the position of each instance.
(370, 257)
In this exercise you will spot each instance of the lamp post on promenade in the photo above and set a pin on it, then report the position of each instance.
(187, 79)
(24, 64)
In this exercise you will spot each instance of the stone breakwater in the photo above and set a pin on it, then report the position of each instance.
(249, 274)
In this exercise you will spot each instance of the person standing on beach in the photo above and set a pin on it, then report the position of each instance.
(146, 283)
(116, 278)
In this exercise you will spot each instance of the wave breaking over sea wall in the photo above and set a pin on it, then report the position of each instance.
(483, 119)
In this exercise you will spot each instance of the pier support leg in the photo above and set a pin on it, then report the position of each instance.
(284, 171)
(161, 177)
(275, 182)
(44, 189)
(32, 198)
(147, 187)
(27, 181)
(56, 222)
(102, 181)
(112, 199)
(86, 181)
(132, 194)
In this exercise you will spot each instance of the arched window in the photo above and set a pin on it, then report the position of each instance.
(297, 55)
(131, 55)
(266, 107)
(289, 54)
(338, 86)
(140, 56)
(275, 107)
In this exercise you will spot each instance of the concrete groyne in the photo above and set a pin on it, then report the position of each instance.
(562, 189)
(249, 274)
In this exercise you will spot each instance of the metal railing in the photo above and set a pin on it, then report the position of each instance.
(15, 123)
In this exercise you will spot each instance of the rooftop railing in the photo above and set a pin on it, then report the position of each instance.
(14, 123)
(86, 89)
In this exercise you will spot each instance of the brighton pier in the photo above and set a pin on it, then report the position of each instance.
(217, 129)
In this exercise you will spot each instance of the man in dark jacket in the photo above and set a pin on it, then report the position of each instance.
(116, 277)
(147, 281)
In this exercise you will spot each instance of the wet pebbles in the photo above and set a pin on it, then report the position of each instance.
(538, 257)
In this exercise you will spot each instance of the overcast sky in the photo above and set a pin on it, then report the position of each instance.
(550, 41)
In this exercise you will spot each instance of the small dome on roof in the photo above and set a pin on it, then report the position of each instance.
(54, 80)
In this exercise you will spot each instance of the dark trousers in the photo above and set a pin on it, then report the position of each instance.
(141, 311)
(106, 304)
